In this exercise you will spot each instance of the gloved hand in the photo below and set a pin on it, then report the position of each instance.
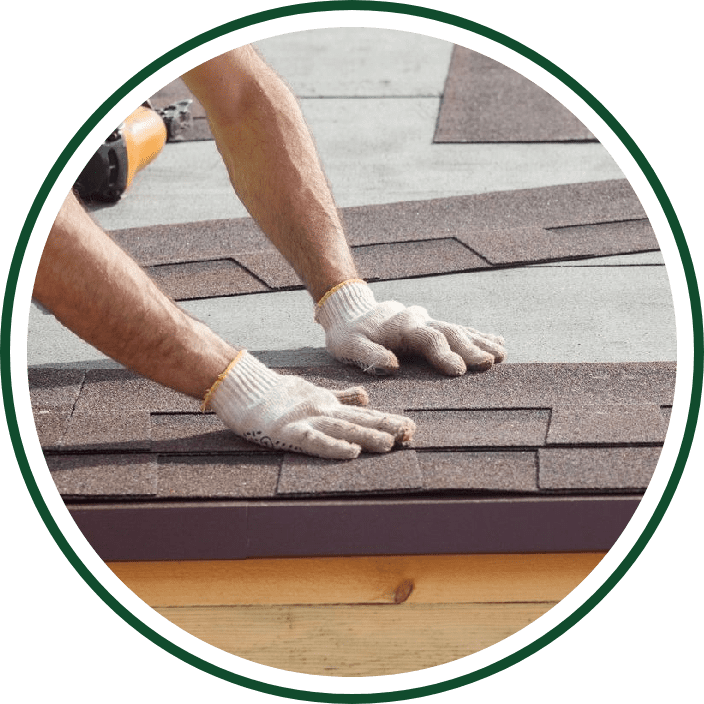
(360, 331)
(288, 413)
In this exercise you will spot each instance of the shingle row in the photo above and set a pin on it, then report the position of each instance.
(521, 428)
(402, 240)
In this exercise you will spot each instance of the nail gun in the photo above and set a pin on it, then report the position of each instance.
(128, 149)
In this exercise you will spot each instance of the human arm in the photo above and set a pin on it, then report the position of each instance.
(273, 164)
(96, 290)
(275, 170)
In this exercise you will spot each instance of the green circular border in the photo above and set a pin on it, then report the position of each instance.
(334, 6)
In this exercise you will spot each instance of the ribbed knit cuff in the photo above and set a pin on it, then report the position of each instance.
(350, 301)
(244, 385)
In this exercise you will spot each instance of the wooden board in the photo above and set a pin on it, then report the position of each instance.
(347, 640)
(424, 579)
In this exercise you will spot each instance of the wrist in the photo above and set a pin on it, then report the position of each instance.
(345, 302)
(243, 383)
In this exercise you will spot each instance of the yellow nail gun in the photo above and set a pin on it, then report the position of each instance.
(132, 146)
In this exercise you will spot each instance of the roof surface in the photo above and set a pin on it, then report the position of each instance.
(527, 457)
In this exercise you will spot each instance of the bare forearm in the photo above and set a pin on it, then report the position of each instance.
(97, 291)
(273, 165)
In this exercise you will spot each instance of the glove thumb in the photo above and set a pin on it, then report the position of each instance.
(362, 352)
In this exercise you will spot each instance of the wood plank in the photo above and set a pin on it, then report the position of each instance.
(420, 579)
(345, 640)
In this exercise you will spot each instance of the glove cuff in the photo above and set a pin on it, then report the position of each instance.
(240, 386)
(347, 301)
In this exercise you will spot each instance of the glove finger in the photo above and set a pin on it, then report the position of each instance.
(354, 396)
(372, 358)
(474, 355)
(400, 427)
(493, 338)
(489, 343)
(433, 345)
(369, 439)
(313, 441)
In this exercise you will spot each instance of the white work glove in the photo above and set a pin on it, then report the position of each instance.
(360, 331)
(289, 413)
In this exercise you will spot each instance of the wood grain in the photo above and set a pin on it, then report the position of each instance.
(424, 579)
(348, 641)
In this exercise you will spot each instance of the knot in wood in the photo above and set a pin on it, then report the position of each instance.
(403, 591)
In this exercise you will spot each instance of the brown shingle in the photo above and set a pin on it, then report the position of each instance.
(54, 389)
(483, 471)
(108, 430)
(120, 389)
(477, 428)
(195, 433)
(94, 475)
(393, 471)
(235, 476)
(485, 101)
(606, 424)
(597, 468)
(208, 279)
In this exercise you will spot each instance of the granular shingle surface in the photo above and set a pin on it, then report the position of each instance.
(196, 433)
(54, 389)
(419, 258)
(518, 409)
(396, 471)
(119, 389)
(607, 424)
(187, 280)
(485, 101)
(478, 428)
(482, 471)
(51, 427)
(108, 430)
(591, 468)
(235, 476)
(100, 475)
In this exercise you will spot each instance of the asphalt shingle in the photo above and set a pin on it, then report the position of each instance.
(399, 240)
(104, 475)
(606, 424)
(597, 468)
(485, 101)
(235, 476)
(369, 473)
(480, 428)
(206, 279)
(479, 471)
